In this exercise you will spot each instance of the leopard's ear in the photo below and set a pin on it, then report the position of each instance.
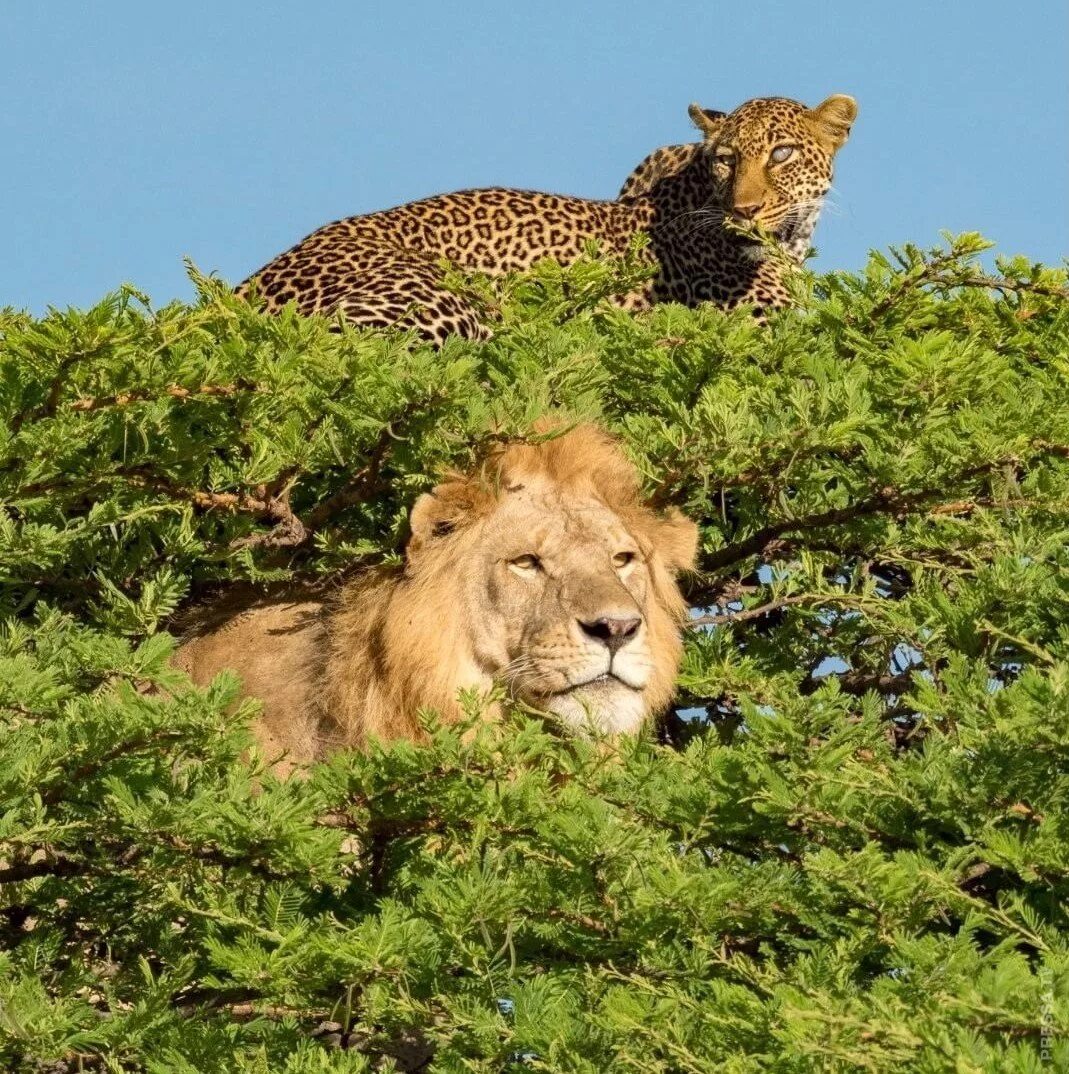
(834, 118)
(707, 120)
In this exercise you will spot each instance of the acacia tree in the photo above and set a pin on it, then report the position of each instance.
(849, 847)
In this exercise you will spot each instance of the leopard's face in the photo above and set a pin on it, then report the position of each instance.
(771, 159)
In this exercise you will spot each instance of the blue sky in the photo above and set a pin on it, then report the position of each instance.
(135, 134)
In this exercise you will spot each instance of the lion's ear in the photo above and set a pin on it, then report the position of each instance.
(676, 540)
(438, 512)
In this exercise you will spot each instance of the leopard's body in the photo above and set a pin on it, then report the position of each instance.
(382, 269)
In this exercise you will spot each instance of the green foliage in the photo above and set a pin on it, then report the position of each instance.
(848, 851)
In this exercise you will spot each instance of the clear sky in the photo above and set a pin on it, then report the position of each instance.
(134, 134)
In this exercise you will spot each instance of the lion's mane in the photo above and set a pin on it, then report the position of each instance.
(399, 640)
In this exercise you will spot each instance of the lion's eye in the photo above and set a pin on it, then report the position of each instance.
(622, 559)
(781, 153)
(527, 562)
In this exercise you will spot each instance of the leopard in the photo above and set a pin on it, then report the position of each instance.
(724, 219)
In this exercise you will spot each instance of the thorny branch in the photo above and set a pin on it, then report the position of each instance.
(933, 274)
(764, 609)
(885, 500)
(174, 391)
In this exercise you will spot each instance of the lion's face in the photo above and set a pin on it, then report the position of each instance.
(562, 608)
(569, 603)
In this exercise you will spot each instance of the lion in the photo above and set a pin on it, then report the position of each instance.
(543, 573)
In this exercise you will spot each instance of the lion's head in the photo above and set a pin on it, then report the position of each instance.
(544, 572)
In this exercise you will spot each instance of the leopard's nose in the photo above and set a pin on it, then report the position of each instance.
(614, 632)
(747, 210)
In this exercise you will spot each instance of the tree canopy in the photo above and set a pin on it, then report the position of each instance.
(848, 848)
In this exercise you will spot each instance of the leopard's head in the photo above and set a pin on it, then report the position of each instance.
(771, 161)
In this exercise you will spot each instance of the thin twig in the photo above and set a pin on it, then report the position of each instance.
(886, 500)
(765, 609)
(860, 682)
(174, 391)
(931, 275)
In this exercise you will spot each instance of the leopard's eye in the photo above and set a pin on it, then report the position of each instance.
(725, 158)
(622, 559)
(527, 562)
(781, 153)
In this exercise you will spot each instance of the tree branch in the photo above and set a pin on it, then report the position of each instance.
(290, 531)
(932, 275)
(87, 404)
(886, 500)
(33, 870)
(861, 682)
(764, 609)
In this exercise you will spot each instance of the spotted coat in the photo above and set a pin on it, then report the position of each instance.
(768, 163)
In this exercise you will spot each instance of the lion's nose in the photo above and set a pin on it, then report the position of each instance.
(612, 631)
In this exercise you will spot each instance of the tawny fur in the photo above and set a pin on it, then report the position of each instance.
(381, 269)
(466, 612)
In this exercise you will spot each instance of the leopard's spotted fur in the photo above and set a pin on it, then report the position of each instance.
(381, 269)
